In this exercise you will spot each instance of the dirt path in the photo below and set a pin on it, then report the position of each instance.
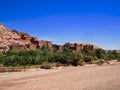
(71, 78)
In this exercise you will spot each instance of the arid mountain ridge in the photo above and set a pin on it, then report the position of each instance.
(14, 40)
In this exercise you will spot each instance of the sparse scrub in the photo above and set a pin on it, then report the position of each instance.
(100, 62)
(46, 65)
(88, 59)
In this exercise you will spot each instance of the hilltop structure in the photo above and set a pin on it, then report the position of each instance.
(14, 40)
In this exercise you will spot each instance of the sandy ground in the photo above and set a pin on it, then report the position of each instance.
(89, 77)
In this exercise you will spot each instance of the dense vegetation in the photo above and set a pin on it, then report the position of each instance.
(44, 56)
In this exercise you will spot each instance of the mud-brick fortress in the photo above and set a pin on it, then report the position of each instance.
(14, 40)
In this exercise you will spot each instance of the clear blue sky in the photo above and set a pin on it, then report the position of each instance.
(60, 21)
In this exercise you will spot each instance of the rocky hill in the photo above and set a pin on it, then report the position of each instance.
(14, 40)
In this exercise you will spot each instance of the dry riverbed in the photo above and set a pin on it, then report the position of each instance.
(89, 77)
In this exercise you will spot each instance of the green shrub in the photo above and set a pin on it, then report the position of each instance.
(11, 52)
(118, 57)
(77, 58)
(88, 59)
(111, 55)
(1, 60)
(100, 53)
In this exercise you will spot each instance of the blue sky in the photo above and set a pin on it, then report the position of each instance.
(85, 21)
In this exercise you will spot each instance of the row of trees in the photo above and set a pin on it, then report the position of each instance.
(44, 55)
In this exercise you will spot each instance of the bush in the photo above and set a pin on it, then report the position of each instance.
(1, 60)
(100, 53)
(77, 59)
(67, 57)
(112, 55)
(118, 57)
(88, 59)
(100, 62)
(46, 65)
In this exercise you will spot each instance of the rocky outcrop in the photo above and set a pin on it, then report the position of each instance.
(14, 40)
